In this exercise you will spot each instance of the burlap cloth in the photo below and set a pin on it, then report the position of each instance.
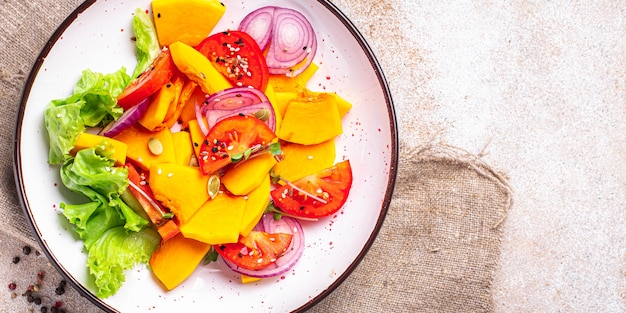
(440, 243)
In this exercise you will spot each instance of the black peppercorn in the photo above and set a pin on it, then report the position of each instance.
(26, 250)
(16, 260)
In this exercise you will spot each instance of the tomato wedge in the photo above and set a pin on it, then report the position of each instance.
(255, 251)
(229, 139)
(316, 195)
(238, 57)
(156, 76)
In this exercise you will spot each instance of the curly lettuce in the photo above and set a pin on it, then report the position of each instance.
(93, 103)
(114, 252)
(115, 237)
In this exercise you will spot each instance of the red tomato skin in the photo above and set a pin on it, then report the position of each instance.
(156, 76)
(334, 183)
(223, 48)
(256, 251)
(230, 136)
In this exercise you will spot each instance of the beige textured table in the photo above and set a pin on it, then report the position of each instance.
(537, 88)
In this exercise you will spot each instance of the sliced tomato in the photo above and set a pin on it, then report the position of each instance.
(317, 195)
(238, 57)
(230, 138)
(156, 76)
(255, 251)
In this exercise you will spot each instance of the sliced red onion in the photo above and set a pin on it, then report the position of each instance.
(283, 264)
(292, 40)
(201, 120)
(127, 119)
(258, 24)
(233, 101)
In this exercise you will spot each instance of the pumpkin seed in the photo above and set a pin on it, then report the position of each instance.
(263, 114)
(155, 146)
(213, 186)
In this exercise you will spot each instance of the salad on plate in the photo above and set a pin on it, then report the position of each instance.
(213, 147)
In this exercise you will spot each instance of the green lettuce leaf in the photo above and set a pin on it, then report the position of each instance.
(93, 103)
(94, 168)
(115, 237)
(146, 41)
(94, 175)
(91, 220)
(64, 124)
(114, 252)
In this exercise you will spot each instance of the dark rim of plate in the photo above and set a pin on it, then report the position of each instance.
(17, 163)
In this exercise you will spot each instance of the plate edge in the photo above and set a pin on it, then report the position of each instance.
(17, 164)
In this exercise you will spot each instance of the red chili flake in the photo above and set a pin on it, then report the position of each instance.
(12, 286)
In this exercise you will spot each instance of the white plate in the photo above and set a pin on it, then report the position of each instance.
(97, 36)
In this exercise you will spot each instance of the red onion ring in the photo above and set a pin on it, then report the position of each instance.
(127, 119)
(233, 101)
(288, 259)
(258, 24)
(290, 36)
(214, 116)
